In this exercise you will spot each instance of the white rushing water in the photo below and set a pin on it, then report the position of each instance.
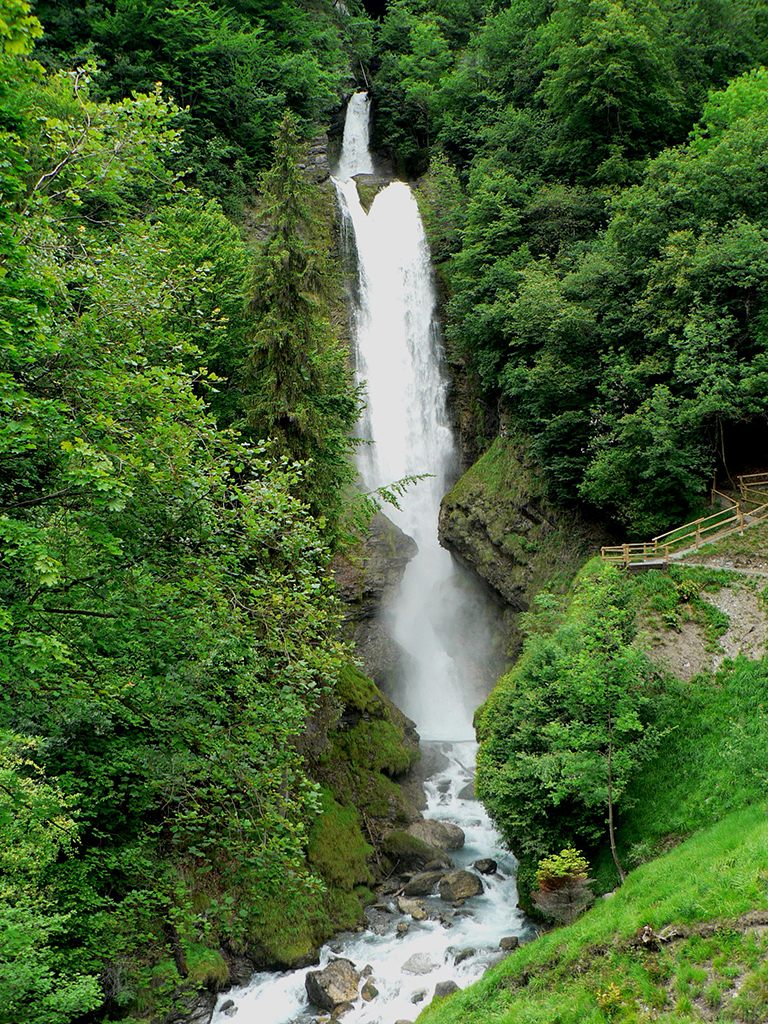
(434, 619)
(398, 361)
(278, 998)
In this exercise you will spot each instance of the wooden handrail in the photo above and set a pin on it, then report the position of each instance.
(693, 524)
(639, 552)
(724, 497)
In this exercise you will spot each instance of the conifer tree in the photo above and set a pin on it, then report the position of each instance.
(298, 385)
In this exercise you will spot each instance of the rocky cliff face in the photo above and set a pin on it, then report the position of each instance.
(497, 522)
(367, 578)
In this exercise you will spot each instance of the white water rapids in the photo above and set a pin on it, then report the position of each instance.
(436, 619)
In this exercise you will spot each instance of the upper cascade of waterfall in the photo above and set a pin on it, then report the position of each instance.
(434, 619)
(355, 155)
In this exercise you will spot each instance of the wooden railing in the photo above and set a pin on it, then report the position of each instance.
(752, 481)
(690, 536)
(722, 499)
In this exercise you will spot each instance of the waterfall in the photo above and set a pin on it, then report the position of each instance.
(436, 619)
(355, 155)
(399, 363)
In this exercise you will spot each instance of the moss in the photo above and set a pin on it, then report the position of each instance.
(289, 932)
(207, 968)
(357, 691)
(377, 746)
(345, 909)
(408, 852)
(337, 849)
(500, 473)
(372, 793)
(368, 190)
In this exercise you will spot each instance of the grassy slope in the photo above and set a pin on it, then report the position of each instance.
(592, 972)
(708, 783)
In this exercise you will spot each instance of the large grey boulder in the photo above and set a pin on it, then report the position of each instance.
(420, 963)
(445, 988)
(408, 853)
(441, 834)
(460, 885)
(423, 884)
(335, 984)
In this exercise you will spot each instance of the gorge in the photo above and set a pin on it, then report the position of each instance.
(438, 620)
(215, 668)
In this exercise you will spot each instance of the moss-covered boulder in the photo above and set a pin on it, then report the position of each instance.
(407, 853)
(369, 186)
(371, 745)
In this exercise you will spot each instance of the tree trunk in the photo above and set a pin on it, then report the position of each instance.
(619, 868)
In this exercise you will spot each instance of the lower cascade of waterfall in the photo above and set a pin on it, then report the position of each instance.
(438, 620)
(451, 944)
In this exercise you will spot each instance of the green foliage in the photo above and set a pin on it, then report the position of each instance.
(18, 28)
(610, 83)
(166, 616)
(233, 69)
(298, 385)
(560, 865)
(36, 828)
(605, 265)
(442, 206)
(565, 732)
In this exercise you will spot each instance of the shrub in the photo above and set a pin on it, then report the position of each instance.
(564, 888)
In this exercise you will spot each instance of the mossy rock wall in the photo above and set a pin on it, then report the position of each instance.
(370, 747)
(356, 754)
(498, 523)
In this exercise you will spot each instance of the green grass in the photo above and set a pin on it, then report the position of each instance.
(752, 543)
(711, 761)
(687, 531)
(588, 973)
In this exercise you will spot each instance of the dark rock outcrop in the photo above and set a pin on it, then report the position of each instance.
(498, 522)
(193, 1008)
(445, 988)
(423, 884)
(486, 866)
(367, 578)
(370, 574)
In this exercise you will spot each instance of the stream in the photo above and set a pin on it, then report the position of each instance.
(438, 619)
